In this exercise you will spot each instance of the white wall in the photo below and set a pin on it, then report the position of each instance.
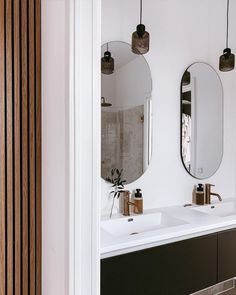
(54, 147)
(182, 32)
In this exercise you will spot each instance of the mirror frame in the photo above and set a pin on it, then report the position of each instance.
(151, 91)
(181, 156)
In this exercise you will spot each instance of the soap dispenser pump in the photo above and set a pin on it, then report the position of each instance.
(138, 202)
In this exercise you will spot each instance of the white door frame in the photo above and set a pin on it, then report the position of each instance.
(84, 146)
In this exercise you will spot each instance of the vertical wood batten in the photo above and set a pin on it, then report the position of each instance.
(9, 129)
(32, 144)
(2, 150)
(20, 147)
(38, 146)
(17, 144)
(25, 152)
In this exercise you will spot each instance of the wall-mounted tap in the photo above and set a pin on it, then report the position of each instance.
(208, 193)
(126, 203)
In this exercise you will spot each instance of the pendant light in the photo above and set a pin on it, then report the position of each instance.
(140, 38)
(227, 60)
(107, 63)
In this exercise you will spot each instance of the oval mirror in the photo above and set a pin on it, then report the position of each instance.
(201, 120)
(126, 107)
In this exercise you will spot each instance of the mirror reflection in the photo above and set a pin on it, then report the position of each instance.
(201, 120)
(126, 113)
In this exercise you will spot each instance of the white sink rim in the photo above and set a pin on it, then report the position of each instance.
(218, 209)
(138, 224)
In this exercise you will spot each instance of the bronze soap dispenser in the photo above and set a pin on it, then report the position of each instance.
(200, 196)
(138, 202)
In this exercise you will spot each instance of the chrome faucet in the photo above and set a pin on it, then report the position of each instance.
(125, 210)
(209, 193)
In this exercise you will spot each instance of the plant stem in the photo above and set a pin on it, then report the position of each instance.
(112, 207)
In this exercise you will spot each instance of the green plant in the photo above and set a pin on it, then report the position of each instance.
(117, 185)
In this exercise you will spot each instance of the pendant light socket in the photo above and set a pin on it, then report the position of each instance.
(227, 61)
(107, 63)
(140, 29)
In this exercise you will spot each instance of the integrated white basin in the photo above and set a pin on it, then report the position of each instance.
(137, 224)
(219, 209)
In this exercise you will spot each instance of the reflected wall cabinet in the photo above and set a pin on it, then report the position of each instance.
(20, 147)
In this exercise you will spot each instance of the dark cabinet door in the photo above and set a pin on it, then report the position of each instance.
(226, 255)
(178, 268)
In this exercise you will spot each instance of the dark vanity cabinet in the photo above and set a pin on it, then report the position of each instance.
(226, 255)
(177, 268)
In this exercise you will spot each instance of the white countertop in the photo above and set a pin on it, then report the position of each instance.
(197, 224)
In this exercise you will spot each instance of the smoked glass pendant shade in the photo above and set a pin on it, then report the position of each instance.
(140, 40)
(107, 63)
(227, 61)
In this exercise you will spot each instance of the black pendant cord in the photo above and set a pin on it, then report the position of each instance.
(107, 46)
(141, 10)
(227, 30)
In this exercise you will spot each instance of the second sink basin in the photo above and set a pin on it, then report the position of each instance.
(137, 224)
(221, 209)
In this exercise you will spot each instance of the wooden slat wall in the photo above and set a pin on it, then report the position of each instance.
(20, 147)
(9, 146)
(38, 146)
(17, 150)
(2, 151)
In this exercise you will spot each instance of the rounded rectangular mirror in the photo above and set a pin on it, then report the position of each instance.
(201, 120)
(126, 127)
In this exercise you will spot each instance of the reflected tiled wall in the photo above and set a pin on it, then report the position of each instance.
(122, 142)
